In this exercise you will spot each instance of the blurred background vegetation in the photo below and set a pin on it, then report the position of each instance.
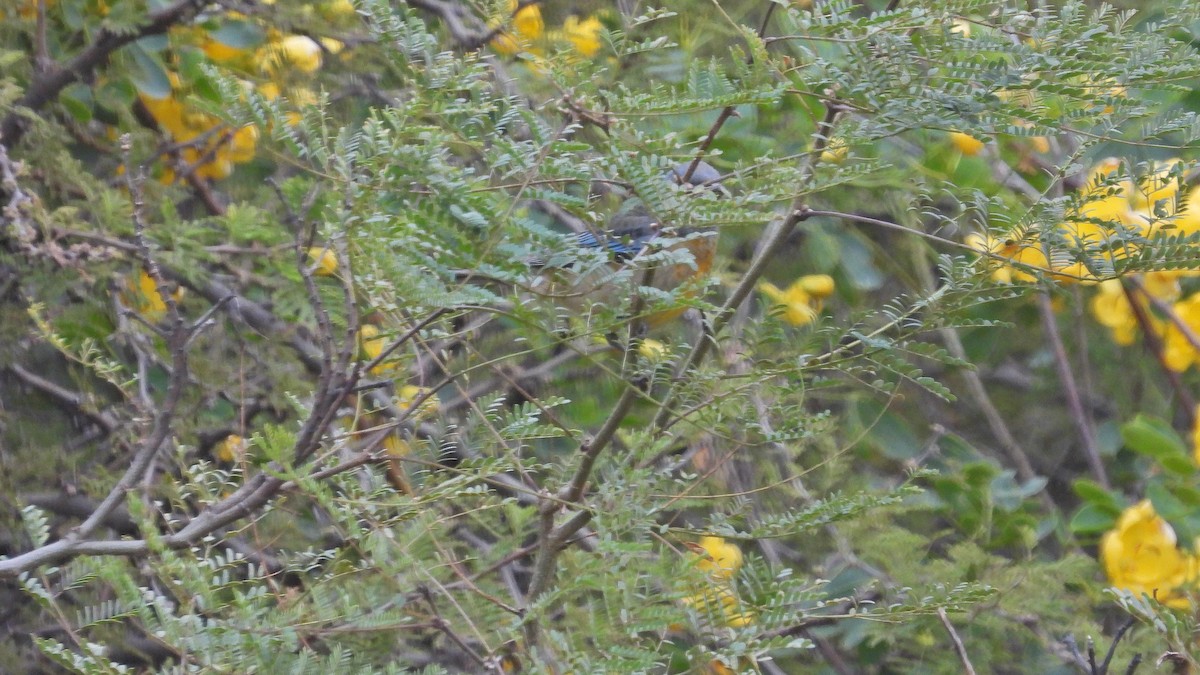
(297, 373)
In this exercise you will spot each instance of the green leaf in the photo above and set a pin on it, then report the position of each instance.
(117, 94)
(1108, 438)
(1165, 503)
(1155, 438)
(890, 434)
(150, 77)
(153, 43)
(191, 67)
(77, 100)
(238, 34)
(1092, 519)
(858, 264)
(1098, 496)
(956, 447)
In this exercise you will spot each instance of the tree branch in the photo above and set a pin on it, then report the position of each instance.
(47, 87)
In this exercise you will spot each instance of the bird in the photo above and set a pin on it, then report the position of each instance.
(629, 239)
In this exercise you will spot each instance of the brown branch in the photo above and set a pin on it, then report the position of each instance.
(727, 111)
(72, 401)
(47, 88)
(1155, 346)
(1087, 434)
(959, 648)
(551, 539)
(797, 213)
(466, 29)
(176, 338)
(81, 506)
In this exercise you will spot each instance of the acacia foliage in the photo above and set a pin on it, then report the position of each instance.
(500, 476)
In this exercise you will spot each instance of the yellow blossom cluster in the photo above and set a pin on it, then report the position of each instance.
(231, 449)
(408, 394)
(529, 33)
(361, 425)
(1179, 333)
(966, 144)
(1196, 436)
(208, 147)
(802, 300)
(653, 350)
(1141, 555)
(323, 261)
(720, 560)
(836, 151)
(1113, 213)
(141, 295)
(1110, 211)
(371, 344)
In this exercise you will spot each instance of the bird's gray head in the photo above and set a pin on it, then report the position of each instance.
(704, 175)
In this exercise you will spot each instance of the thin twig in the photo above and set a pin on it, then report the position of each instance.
(797, 213)
(176, 338)
(46, 88)
(727, 111)
(1087, 434)
(1186, 401)
(73, 401)
(1112, 647)
(959, 647)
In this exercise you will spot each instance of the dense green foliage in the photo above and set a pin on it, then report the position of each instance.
(298, 375)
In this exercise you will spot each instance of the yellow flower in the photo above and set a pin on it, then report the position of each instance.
(332, 46)
(299, 97)
(715, 667)
(527, 22)
(967, 145)
(1187, 218)
(142, 296)
(410, 393)
(719, 558)
(527, 26)
(584, 35)
(835, 151)
(243, 143)
(370, 341)
(1106, 87)
(1196, 435)
(231, 449)
(216, 169)
(395, 446)
(802, 299)
(337, 9)
(269, 90)
(1162, 285)
(720, 602)
(1178, 352)
(817, 285)
(299, 51)
(326, 262)
(220, 52)
(372, 344)
(1025, 253)
(1111, 309)
(652, 350)
(1141, 556)
(1111, 210)
(1039, 143)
